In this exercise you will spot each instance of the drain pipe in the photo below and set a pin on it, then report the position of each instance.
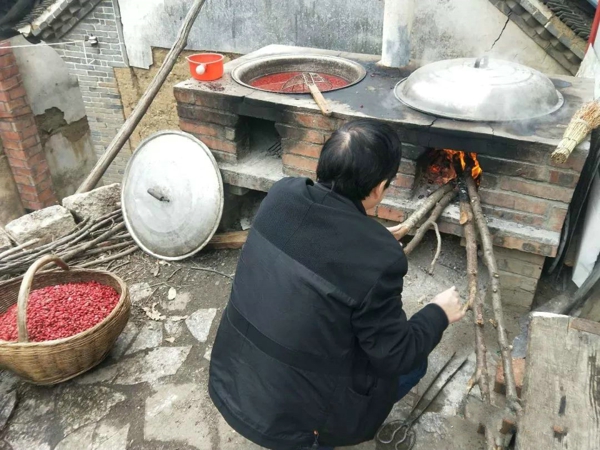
(397, 24)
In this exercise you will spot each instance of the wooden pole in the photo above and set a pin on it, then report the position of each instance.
(136, 116)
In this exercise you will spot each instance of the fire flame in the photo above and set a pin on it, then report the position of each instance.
(443, 169)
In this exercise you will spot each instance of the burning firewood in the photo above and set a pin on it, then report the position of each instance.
(401, 230)
(429, 223)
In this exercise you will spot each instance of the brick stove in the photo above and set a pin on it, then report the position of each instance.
(524, 194)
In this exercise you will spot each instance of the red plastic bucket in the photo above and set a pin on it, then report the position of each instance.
(206, 66)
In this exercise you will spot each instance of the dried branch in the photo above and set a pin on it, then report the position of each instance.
(205, 269)
(114, 257)
(438, 250)
(481, 376)
(18, 248)
(490, 261)
(435, 214)
(401, 230)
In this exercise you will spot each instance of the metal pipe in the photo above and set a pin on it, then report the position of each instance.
(397, 24)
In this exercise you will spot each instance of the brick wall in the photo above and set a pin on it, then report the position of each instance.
(20, 137)
(94, 70)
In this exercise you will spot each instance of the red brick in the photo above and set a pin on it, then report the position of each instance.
(489, 181)
(47, 196)
(11, 83)
(516, 243)
(301, 148)
(372, 212)
(199, 114)
(540, 190)
(5, 48)
(33, 205)
(211, 129)
(575, 162)
(562, 178)
(23, 122)
(404, 181)
(512, 168)
(393, 215)
(22, 179)
(7, 72)
(4, 96)
(18, 163)
(17, 92)
(408, 167)
(299, 162)
(310, 121)
(556, 219)
(31, 142)
(28, 189)
(294, 172)
(6, 125)
(515, 216)
(513, 201)
(219, 144)
(302, 134)
(519, 371)
(27, 196)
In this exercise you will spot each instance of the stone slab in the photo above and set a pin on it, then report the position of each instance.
(47, 225)
(5, 242)
(94, 204)
(200, 323)
(178, 413)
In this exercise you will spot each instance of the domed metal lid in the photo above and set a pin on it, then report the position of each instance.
(172, 195)
(482, 89)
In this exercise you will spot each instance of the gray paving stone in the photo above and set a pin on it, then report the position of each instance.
(124, 340)
(150, 336)
(200, 322)
(78, 406)
(7, 406)
(141, 368)
(177, 413)
(21, 436)
(139, 292)
(179, 303)
(96, 436)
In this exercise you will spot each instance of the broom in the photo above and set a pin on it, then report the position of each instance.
(583, 122)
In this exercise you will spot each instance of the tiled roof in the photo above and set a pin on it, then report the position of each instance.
(578, 15)
(546, 27)
(52, 19)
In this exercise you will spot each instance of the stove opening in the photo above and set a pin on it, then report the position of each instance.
(445, 165)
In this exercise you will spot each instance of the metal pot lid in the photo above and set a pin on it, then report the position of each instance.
(172, 195)
(488, 90)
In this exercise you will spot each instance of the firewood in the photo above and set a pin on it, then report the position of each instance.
(234, 240)
(475, 301)
(440, 206)
(492, 266)
(401, 230)
(438, 250)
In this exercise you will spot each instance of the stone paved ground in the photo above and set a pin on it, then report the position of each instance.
(151, 392)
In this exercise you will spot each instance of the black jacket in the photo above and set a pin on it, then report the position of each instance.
(314, 337)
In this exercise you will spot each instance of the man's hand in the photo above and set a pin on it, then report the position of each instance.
(449, 301)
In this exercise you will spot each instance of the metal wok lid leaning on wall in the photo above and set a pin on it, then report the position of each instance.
(172, 195)
(487, 90)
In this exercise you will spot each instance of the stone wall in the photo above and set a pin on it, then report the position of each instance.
(93, 65)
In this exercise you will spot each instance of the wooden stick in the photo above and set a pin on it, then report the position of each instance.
(97, 262)
(234, 240)
(490, 261)
(136, 116)
(481, 376)
(317, 95)
(18, 248)
(435, 214)
(438, 250)
(401, 230)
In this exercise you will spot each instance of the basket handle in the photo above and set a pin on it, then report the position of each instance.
(26, 287)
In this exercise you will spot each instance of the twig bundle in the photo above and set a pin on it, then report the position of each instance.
(586, 119)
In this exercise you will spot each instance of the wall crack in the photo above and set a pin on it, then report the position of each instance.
(501, 32)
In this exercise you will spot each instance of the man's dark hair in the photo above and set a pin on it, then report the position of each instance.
(359, 156)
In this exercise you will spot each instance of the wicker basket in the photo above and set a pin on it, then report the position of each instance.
(56, 361)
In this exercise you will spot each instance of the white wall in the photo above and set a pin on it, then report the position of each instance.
(442, 28)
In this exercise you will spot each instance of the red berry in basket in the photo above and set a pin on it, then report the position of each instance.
(60, 311)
